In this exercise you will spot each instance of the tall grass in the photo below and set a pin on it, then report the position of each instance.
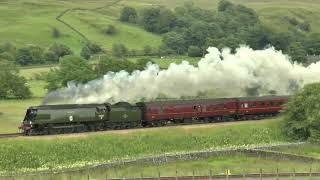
(25, 154)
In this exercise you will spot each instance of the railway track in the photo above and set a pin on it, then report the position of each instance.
(186, 125)
(10, 135)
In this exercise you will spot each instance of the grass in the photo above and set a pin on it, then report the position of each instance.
(27, 154)
(13, 112)
(31, 21)
(312, 150)
(237, 164)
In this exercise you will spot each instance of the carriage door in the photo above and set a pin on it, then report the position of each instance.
(197, 110)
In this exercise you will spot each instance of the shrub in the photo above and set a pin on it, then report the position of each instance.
(55, 33)
(194, 51)
(302, 120)
(111, 30)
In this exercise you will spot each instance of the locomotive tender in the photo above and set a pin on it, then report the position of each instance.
(56, 119)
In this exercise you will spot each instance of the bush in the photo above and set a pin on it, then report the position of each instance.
(11, 84)
(111, 30)
(302, 118)
(90, 49)
(129, 14)
(55, 33)
(119, 50)
(194, 51)
(30, 55)
(147, 50)
(71, 68)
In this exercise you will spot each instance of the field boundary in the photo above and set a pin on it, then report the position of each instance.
(184, 156)
(61, 14)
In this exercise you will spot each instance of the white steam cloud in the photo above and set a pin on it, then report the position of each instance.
(219, 73)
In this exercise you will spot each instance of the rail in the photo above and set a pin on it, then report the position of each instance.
(10, 135)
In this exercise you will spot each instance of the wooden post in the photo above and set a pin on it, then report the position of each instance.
(176, 174)
(294, 172)
(210, 173)
(88, 177)
(277, 173)
(141, 176)
(310, 172)
(193, 174)
(159, 176)
(260, 174)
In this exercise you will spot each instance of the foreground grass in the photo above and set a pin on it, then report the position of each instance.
(312, 150)
(56, 152)
(237, 164)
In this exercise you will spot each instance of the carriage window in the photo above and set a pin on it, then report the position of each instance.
(244, 105)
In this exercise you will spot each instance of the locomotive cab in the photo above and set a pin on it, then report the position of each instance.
(28, 120)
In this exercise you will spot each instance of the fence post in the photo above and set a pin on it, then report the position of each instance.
(294, 172)
(176, 174)
(277, 173)
(88, 177)
(193, 174)
(159, 175)
(310, 172)
(141, 176)
(106, 176)
(260, 173)
(210, 173)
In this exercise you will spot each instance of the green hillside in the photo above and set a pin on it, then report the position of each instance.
(31, 21)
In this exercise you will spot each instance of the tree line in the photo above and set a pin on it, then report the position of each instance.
(191, 30)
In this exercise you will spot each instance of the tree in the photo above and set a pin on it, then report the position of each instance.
(90, 49)
(50, 56)
(128, 14)
(147, 50)
(30, 55)
(55, 32)
(158, 20)
(142, 63)
(11, 84)
(224, 5)
(111, 30)
(107, 64)
(57, 51)
(194, 51)
(297, 52)
(71, 68)
(302, 118)
(312, 44)
(119, 50)
(175, 41)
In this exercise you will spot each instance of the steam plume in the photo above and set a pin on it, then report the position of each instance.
(222, 73)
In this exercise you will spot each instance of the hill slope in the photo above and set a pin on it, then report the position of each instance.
(31, 21)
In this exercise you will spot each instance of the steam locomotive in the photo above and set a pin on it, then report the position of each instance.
(58, 119)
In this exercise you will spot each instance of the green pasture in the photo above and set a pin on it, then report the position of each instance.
(12, 113)
(66, 151)
(312, 150)
(31, 21)
(236, 164)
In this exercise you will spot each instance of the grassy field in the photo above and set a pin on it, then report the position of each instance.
(31, 153)
(311, 150)
(237, 164)
(31, 21)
